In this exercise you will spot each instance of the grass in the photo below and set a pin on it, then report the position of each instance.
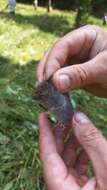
(23, 42)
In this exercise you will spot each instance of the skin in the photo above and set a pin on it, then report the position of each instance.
(66, 170)
(77, 60)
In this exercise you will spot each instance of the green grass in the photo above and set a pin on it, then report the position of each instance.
(23, 42)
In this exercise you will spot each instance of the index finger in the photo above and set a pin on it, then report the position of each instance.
(48, 149)
(55, 171)
(68, 46)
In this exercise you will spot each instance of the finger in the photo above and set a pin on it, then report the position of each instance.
(68, 46)
(41, 66)
(55, 171)
(79, 180)
(81, 166)
(78, 76)
(93, 143)
(61, 132)
(77, 177)
(82, 163)
(69, 154)
(78, 162)
(91, 185)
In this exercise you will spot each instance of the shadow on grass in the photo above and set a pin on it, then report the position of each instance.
(18, 132)
(18, 79)
(7, 65)
(17, 73)
(56, 25)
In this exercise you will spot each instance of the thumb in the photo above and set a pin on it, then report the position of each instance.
(93, 143)
(80, 75)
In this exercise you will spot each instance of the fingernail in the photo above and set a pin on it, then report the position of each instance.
(64, 81)
(81, 118)
(40, 80)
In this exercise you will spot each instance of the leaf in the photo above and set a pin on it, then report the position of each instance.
(8, 186)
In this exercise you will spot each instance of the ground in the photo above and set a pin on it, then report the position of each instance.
(23, 41)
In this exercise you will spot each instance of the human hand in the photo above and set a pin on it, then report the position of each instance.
(67, 170)
(78, 60)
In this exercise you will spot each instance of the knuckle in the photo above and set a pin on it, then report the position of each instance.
(90, 136)
(82, 75)
(94, 27)
(59, 44)
(88, 26)
(97, 28)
